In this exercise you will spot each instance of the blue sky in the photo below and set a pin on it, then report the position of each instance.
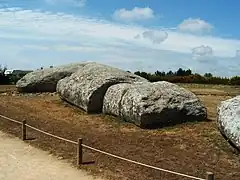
(145, 35)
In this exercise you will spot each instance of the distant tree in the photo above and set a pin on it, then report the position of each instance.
(170, 73)
(51, 66)
(180, 72)
(235, 80)
(208, 75)
(186, 76)
(158, 73)
(188, 72)
(3, 79)
(144, 75)
(137, 73)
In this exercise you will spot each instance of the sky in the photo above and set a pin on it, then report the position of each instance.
(134, 35)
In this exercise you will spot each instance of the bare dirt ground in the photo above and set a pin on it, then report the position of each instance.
(21, 161)
(191, 148)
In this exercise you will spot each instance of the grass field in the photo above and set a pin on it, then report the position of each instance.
(191, 148)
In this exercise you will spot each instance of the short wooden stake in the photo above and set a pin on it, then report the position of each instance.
(24, 133)
(210, 176)
(79, 152)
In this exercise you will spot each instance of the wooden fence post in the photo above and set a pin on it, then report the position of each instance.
(210, 176)
(24, 133)
(79, 152)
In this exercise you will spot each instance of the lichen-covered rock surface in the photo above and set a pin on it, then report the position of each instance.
(86, 88)
(153, 104)
(45, 80)
(113, 98)
(228, 120)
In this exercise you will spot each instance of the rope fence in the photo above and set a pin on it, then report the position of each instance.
(80, 145)
(49, 134)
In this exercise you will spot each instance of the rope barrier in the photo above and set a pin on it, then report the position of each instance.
(18, 122)
(57, 137)
(141, 164)
(106, 153)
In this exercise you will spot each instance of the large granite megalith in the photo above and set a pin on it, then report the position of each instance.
(86, 88)
(45, 80)
(228, 119)
(152, 105)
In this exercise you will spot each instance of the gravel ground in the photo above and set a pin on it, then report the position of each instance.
(20, 161)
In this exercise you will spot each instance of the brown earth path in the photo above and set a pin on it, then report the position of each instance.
(20, 161)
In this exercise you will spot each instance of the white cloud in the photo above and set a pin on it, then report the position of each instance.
(137, 36)
(44, 38)
(238, 53)
(204, 55)
(202, 51)
(77, 3)
(195, 26)
(155, 36)
(135, 14)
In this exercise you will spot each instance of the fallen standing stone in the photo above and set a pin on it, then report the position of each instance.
(152, 105)
(87, 87)
(228, 119)
(45, 80)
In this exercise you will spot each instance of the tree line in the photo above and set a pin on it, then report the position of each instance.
(186, 76)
